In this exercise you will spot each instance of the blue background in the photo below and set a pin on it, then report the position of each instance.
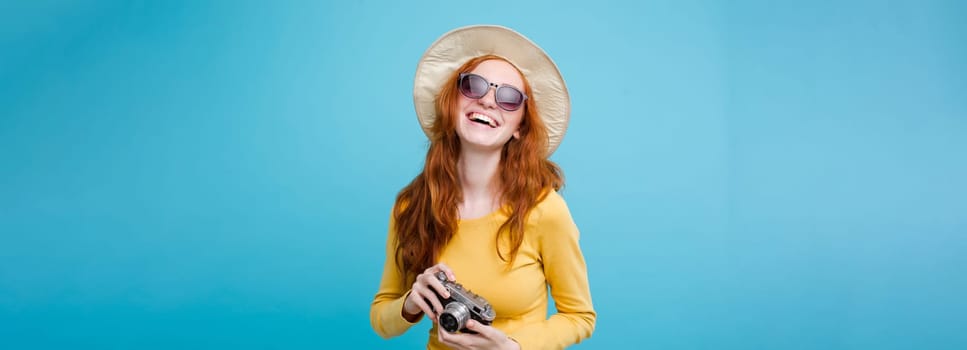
(745, 174)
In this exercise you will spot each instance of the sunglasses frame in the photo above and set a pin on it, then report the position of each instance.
(496, 90)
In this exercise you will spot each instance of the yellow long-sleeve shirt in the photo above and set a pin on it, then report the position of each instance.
(548, 257)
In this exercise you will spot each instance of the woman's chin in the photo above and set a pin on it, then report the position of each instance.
(486, 145)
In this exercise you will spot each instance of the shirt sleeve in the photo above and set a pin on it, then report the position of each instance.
(386, 312)
(566, 273)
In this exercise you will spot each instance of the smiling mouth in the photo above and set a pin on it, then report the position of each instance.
(483, 119)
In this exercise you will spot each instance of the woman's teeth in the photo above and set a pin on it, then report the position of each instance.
(483, 119)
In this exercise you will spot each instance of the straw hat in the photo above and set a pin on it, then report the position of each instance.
(458, 46)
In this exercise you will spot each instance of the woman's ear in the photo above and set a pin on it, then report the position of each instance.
(517, 134)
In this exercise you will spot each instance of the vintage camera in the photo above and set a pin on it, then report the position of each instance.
(461, 306)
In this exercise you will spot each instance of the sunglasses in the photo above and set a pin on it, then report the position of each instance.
(507, 97)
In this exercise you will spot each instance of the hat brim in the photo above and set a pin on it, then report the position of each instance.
(456, 47)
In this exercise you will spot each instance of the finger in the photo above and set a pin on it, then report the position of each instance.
(434, 303)
(436, 285)
(444, 337)
(475, 326)
(418, 296)
(446, 269)
(423, 287)
(485, 330)
(432, 299)
(429, 278)
(453, 340)
(421, 303)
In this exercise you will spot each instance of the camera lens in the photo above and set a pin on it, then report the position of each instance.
(454, 317)
(449, 323)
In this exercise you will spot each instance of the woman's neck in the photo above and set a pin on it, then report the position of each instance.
(479, 182)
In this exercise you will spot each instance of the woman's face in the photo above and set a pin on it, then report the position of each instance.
(481, 124)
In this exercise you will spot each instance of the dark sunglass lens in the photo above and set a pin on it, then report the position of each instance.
(509, 98)
(465, 86)
(473, 86)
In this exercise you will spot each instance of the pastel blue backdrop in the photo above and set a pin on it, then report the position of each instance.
(745, 174)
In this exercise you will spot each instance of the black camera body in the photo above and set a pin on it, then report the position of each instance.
(461, 306)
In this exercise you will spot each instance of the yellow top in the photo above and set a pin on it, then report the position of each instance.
(548, 257)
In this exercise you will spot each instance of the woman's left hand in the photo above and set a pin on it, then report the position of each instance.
(487, 337)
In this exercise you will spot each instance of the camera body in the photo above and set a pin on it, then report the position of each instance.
(462, 306)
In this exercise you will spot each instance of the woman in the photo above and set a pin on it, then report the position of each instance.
(485, 210)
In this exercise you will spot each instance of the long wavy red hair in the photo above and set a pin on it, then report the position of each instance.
(426, 210)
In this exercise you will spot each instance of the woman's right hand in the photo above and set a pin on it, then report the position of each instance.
(422, 298)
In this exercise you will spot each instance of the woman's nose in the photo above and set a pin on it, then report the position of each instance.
(489, 100)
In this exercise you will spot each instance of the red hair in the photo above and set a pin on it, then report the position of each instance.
(426, 210)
